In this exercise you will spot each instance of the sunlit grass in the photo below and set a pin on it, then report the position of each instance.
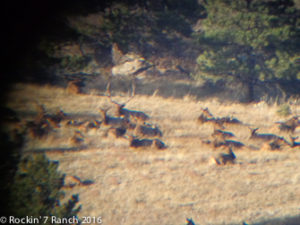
(165, 187)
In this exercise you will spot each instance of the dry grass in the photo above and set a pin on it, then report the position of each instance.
(164, 187)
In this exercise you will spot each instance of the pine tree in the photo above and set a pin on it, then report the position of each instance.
(250, 41)
(36, 190)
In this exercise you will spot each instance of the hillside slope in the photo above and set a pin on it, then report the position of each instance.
(164, 187)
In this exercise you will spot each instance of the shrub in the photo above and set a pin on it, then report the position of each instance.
(284, 110)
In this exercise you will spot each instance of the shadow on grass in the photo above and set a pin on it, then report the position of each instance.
(281, 221)
(166, 87)
(169, 87)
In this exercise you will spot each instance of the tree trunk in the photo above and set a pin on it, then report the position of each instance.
(249, 91)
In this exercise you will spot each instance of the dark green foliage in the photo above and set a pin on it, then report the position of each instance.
(138, 23)
(284, 110)
(9, 155)
(36, 190)
(250, 41)
(74, 63)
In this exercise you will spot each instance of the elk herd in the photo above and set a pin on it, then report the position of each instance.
(220, 138)
(135, 128)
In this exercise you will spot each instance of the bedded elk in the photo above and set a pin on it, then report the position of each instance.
(293, 142)
(110, 121)
(228, 121)
(72, 181)
(146, 130)
(265, 137)
(225, 158)
(54, 120)
(146, 143)
(222, 134)
(75, 86)
(95, 124)
(128, 114)
(38, 129)
(44, 122)
(117, 132)
(121, 111)
(217, 143)
(207, 117)
(190, 221)
(77, 138)
(116, 126)
(276, 144)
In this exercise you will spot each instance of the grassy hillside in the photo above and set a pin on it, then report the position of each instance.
(149, 186)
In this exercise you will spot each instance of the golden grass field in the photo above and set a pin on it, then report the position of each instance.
(143, 187)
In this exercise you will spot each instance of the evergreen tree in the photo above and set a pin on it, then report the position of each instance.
(36, 191)
(250, 41)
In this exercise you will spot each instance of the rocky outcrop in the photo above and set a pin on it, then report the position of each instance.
(130, 64)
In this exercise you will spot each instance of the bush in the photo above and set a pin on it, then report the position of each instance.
(284, 110)
(36, 190)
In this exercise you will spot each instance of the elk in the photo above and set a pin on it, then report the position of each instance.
(224, 158)
(217, 124)
(293, 142)
(54, 120)
(265, 137)
(222, 134)
(206, 113)
(72, 181)
(216, 143)
(111, 121)
(145, 130)
(78, 138)
(43, 123)
(233, 144)
(75, 123)
(57, 118)
(274, 145)
(158, 144)
(144, 143)
(228, 120)
(74, 86)
(117, 132)
(38, 129)
(128, 114)
(95, 124)
(289, 125)
(190, 221)
(205, 116)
